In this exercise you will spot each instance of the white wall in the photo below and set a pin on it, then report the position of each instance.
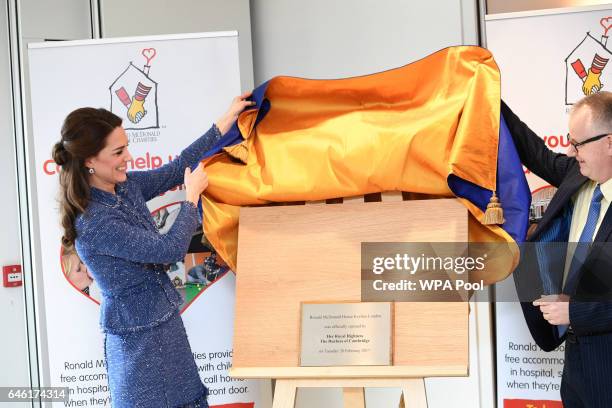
(13, 347)
(339, 38)
(122, 18)
(55, 19)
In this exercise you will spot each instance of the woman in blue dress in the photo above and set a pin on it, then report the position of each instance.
(105, 217)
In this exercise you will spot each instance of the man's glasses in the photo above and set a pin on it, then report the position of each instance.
(576, 145)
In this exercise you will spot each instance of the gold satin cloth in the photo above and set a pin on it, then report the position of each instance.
(405, 129)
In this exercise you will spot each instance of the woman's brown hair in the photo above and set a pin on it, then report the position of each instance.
(84, 134)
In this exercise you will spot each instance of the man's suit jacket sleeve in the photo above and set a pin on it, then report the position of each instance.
(539, 159)
(545, 335)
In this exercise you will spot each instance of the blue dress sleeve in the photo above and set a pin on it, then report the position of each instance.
(155, 182)
(114, 236)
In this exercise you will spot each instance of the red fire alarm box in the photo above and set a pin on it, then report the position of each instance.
(11, 276)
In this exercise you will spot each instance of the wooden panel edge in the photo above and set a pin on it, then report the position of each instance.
(349, 372)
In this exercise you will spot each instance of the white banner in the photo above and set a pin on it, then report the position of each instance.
(192, 79)
(548, 60)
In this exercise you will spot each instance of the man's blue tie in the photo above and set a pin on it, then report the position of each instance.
(582, 248)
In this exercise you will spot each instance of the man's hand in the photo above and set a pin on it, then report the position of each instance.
(554, 308)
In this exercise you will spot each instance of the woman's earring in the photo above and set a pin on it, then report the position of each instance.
(91, 171)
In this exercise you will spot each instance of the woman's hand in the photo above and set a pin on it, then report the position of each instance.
(226, 121)
(195, 183)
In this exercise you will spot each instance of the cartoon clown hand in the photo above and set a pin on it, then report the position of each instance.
(136, 111)
(592, 83)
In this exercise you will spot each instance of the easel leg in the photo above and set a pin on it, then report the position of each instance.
(284, 394)
(354, 397)
(413, 394)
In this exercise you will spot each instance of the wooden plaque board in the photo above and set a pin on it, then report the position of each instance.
(312, 253)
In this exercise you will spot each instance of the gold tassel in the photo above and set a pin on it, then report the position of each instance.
(495, 213)
(238, 151)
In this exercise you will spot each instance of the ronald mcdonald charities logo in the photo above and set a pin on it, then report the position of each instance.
(420, 271)
(580, 81)
(133, 97)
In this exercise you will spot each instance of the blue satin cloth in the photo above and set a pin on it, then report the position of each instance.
(149, 360)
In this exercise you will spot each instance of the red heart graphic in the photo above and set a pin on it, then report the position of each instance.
(606, 23)
(190, 287)
(149, 54)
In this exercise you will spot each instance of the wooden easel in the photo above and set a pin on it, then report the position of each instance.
(353, 391)
(293, 254)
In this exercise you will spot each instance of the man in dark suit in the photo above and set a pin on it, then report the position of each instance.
(581, 312)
